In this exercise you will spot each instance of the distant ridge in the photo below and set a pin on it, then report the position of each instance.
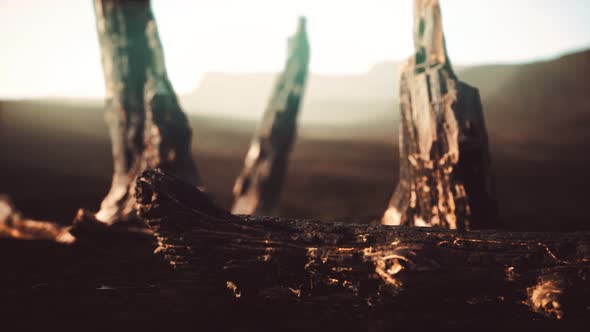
(245, 95)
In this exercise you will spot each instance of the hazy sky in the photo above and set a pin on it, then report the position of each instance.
(49, 47)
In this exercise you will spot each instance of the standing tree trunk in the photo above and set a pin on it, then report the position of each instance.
(148, 129)
(258, 187)
(445, 176)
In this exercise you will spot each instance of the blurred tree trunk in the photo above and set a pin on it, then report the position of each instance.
(258, 187)
(147, 127)
(445, 175)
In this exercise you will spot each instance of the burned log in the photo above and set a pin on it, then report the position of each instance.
(258, 187)
(407, 268)
(147, 126)
(445, 173)
(330, 274)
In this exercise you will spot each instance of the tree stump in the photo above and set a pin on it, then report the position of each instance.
(147, 126)
(258, 187)
(445, 173)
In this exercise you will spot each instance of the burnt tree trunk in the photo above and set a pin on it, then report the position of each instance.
(258, 187)
(302, 260)
(445, 175)
(147, 126)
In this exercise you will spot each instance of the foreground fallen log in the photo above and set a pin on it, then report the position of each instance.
(409, 269)
(296, 274)
(258, 187)
(148, 129)
(445, 173)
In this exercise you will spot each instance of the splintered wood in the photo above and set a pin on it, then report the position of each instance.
(148, 129)
(258, 187)
(445, 176)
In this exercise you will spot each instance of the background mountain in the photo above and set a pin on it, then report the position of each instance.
(329, 99)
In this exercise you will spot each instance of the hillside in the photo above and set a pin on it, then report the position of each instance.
(544, 99)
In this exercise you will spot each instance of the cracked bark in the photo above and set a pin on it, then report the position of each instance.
(445, 173)
(147, 126)
(258, 187)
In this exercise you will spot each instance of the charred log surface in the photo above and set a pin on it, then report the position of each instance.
(147, 126)
(420, 272)
(445, 174)
(258, 187)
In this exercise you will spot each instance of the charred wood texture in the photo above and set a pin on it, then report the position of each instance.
(409, 269)
(147, 126)
(445, 173)
(258, 187)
